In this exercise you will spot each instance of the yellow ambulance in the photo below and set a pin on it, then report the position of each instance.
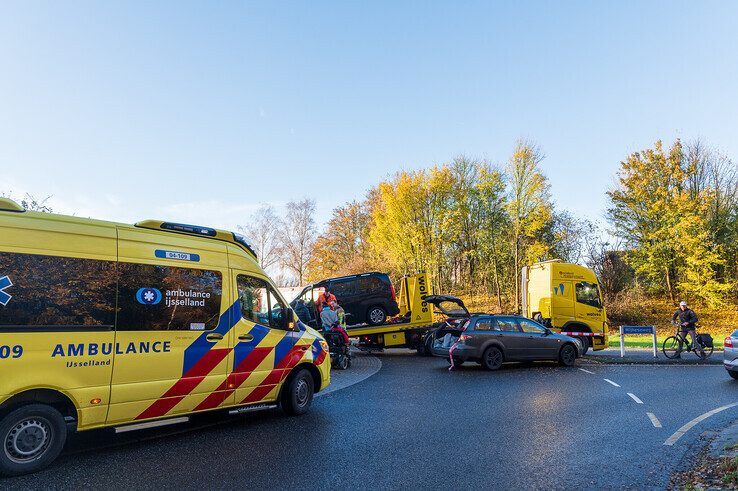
(132, 326)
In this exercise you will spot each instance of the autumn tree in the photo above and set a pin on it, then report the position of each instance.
(264, 232)
(342, 248)
(529, 208)
(662, 217)
(298, 237)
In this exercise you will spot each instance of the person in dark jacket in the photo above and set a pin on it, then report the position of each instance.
(687, 320)
(302, 311)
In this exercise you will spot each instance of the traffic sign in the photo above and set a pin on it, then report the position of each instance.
(637, 330)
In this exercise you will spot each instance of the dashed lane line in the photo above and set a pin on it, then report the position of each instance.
(586, 371)
(611, 382)
(635, 398)
(654, 420)
(684, 429)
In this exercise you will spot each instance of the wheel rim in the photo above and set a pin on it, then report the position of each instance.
(28, 440)
(568, 355)
(494, 358)
(672, 347)
(376, 316)
(704, 352)
(302, 392)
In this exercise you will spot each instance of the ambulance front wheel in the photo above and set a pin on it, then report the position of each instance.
(32, 436)
(297, 395)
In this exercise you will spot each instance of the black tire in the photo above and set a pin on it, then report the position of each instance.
(585, 344)
(703, 352)
(567, 355)
(297, 395)
(343, 362)
(733, 375)
(492, 358)
(32, 437)
(376, 315)
(672, 347)
(426, 349)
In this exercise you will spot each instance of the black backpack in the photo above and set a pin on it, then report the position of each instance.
(705, 340)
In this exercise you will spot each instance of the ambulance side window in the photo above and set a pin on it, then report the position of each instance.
(252, 293)
(53, 292)
(259, 303)
(163, 298)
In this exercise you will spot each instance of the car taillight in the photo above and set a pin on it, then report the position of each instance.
(464, 337)
(728, 343)
(392, 289)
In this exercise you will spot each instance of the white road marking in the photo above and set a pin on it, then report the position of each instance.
(635, 398)
(654, 420)
(684, 429)
(586, 371)
(611, 382)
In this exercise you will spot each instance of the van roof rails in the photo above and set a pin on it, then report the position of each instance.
(7, 204)
(197, 230)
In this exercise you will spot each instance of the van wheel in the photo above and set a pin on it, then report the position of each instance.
(567, 355)
(32, 437)
(297, 396)
(376, 315)
(492, 358)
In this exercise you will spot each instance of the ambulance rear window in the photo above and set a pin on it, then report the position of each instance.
(164, 298)
(50, 292)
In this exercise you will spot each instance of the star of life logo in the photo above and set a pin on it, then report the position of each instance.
(5, 297)
(148, 296)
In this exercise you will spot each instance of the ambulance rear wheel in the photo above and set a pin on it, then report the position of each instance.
(32, 437)
(297, 395)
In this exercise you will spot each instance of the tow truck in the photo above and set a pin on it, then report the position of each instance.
(411, 327)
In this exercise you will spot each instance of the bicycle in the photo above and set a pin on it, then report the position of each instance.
(674, 346)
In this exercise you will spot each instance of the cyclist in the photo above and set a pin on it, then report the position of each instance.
(687, 321)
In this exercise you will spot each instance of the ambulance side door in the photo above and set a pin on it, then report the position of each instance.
(265, 347)
(173, 327)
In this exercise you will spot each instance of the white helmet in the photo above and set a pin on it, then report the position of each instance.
(682, 303)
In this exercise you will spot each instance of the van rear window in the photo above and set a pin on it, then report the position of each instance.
(164, 298)
(49, 292)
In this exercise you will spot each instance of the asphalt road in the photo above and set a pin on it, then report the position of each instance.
(414, 424)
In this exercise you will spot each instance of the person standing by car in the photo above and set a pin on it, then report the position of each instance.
(325, 298)
(687, 321)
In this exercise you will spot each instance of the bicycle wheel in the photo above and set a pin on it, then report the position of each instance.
(703, 352)
(672, 347)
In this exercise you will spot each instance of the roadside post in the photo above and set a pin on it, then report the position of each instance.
(637, 330)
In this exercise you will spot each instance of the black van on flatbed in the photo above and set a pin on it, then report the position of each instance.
(366, 298)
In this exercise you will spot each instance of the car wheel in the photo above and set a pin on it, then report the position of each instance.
(492, 358)
(567, 355)
(733, 374)
(297, 396)
(376, 315)
(427, 347)
(32, 436)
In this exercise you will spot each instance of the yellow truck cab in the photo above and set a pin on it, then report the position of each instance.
(132, 326)
(566, 297)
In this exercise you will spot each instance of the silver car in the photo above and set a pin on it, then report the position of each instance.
(730, 354)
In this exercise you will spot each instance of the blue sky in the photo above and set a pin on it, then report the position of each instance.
(201, 111)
